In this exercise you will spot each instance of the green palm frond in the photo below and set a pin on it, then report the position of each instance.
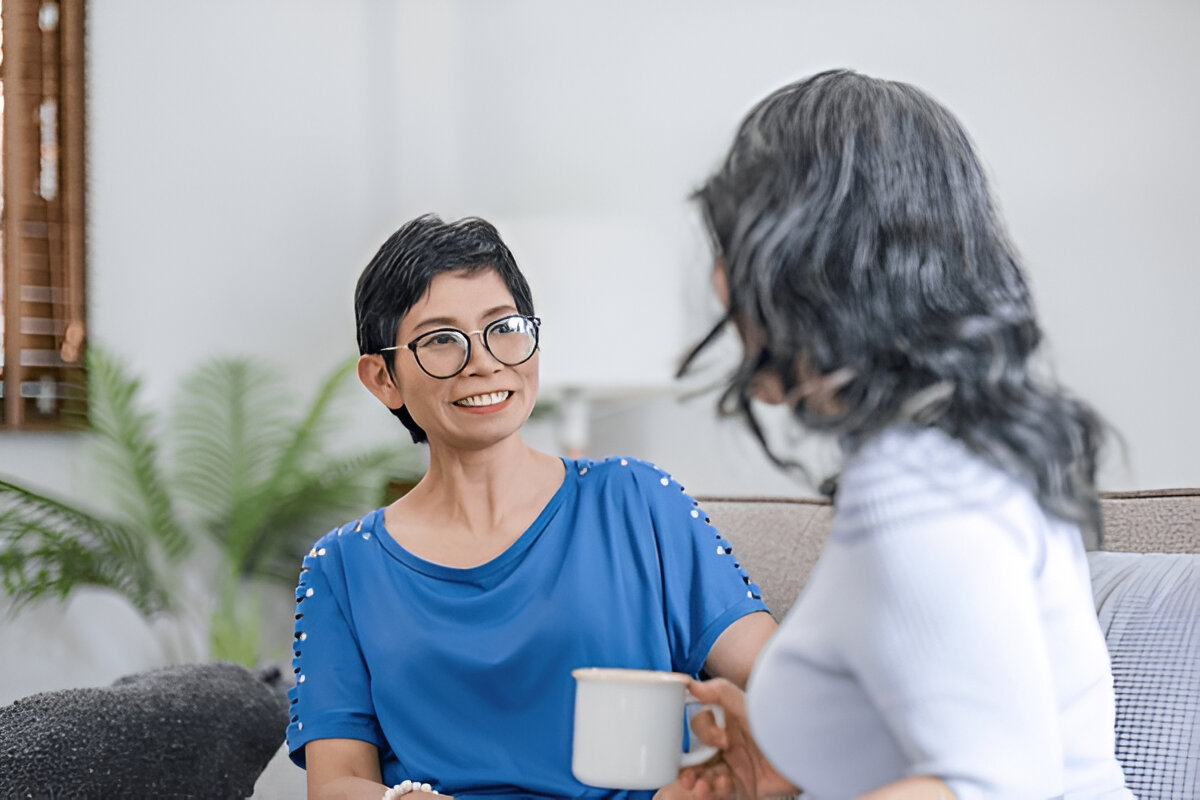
(314, 502)
(227, 432)
(239, 455)
(48, 547)
(125, 444)
(309, 433)
(236, 628)
(305, 439)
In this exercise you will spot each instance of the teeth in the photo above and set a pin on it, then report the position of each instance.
(483, 399)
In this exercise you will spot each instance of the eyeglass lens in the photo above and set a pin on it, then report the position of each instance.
(444, 353)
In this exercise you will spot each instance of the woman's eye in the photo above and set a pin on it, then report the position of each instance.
(510, 325)
(440, 340)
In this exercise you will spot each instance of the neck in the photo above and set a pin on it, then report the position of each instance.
(476, 492)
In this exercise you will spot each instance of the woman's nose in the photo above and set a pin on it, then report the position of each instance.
(480, 358)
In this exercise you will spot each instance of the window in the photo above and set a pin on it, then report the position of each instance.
(42, 303)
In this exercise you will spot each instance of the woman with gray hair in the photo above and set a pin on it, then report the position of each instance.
(946, 644)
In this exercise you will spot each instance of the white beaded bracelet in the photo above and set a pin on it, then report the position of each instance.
(407, 787)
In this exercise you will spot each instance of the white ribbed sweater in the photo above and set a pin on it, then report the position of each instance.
(947, 630)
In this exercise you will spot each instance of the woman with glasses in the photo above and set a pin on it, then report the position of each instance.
(435, 637)
(946, 644)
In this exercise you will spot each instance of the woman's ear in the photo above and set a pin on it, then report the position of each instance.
(373, 373)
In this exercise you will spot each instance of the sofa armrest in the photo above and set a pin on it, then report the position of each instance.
(1158, 521)
(777, 541)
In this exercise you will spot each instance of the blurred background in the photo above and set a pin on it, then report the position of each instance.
(247, 157)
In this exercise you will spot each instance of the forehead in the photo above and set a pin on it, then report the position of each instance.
(460, 296)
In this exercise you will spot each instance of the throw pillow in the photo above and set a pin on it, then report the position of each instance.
(1148, 605)
(198, 730)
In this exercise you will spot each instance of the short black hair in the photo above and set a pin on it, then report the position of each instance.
(400, 273)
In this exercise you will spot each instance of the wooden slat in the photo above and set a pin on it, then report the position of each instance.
(72, 208)
(43, 240)
(18, 38)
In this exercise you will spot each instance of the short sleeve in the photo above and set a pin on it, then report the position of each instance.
(705, 588)
(949, 646)
(331, 698)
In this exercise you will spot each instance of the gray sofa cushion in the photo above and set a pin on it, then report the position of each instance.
(1149, 610)
(198, 730)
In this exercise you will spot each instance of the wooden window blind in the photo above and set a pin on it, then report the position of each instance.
(42, 303)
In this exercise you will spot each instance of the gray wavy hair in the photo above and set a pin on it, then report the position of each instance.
(861, 244)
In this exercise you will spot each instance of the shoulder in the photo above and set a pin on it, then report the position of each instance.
(332, 549)
(927, 456)
(921, 479)
(623, 472)
(902, 467)
(326, 571)
(634, 485)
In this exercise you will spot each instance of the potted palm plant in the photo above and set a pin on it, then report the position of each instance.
(226, 482)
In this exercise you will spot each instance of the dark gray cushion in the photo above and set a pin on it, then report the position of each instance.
(1149, 609)
(198, 730)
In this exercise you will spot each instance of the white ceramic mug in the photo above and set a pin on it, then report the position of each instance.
(629, 728)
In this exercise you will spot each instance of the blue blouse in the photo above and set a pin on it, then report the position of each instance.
(462, 677)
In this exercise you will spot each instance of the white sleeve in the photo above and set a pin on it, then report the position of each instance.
(947, 641)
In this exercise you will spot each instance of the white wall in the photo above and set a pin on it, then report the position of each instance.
(248, 156)
(239, 177)
(1085, 113)
(241, 173)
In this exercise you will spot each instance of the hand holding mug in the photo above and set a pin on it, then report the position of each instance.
(739, 770)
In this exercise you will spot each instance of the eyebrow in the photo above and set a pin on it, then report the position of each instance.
(447, 322)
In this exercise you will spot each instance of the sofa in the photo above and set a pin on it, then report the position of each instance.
(1145, 583)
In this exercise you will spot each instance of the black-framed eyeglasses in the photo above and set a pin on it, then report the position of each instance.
(443, 353)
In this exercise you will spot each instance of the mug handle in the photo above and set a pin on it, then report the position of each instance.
(699, 751)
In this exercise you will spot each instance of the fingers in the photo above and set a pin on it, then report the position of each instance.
(720, 692)
(707, 691)
(704, 725)
(733, 772)
(675, 791)
(722, 785)
(730, 698)
(713, 781)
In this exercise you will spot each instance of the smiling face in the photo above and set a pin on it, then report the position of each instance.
(486, 402)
